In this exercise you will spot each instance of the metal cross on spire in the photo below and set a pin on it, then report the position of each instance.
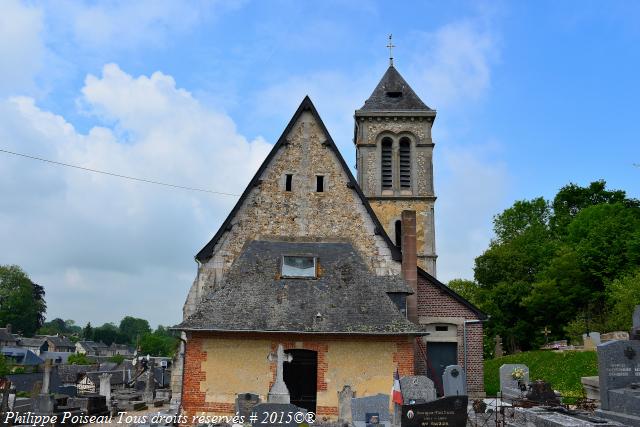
(391, 46)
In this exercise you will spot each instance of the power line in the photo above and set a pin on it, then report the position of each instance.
(117, 175)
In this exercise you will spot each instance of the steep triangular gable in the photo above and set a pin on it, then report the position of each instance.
(306, 106)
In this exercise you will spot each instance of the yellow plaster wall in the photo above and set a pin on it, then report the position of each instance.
(235, 366)
(366, 366)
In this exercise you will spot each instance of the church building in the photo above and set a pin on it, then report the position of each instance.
(339, 272)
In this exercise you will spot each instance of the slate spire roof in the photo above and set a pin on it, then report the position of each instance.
(393, 93)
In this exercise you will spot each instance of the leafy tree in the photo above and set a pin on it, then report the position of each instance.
(159, 343)
(624, 296)
(79, 359)
(117, 358)
(21, 301)
(108, 334)
(87, 332)
(468, 289)
(134, 328)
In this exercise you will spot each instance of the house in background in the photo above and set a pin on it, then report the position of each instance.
(37, 345)
(58, 343)
(121, 349)
(21, 357)
(92, 348)
(6, 337)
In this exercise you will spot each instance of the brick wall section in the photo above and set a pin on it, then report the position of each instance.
(194, 401)
(433, 302)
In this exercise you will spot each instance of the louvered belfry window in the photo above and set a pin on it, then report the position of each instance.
(386, 167)
(405, 163)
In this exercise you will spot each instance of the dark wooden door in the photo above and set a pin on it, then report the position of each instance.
(440, 355)
(301, 376)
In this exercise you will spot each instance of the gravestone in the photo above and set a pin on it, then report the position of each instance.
(417, 389)
(344, 404)
(149, 394)
(448, 411)
(510, 387)
(105, 387)
(279, 392)
(498, 351)
(371, 408)
(591, 340)
(635, 329)
(245, 402)
(619, 372)
(454, 382)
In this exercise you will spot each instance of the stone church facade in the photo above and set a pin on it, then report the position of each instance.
(339, 272)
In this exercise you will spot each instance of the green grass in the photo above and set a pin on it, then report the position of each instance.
(562, 370)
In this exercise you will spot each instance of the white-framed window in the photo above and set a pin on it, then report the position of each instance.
(298, 266)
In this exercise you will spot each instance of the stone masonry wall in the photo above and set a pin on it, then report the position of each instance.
(271, 212)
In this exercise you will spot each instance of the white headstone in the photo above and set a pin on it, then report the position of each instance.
(509, 385)
(105, 387)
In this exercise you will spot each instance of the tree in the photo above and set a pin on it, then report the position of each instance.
(134, 328)
(87, 332)
(21, 301)
(623, 296)
(159, 343)
(79, 359)
(468, 289)
(108, 334)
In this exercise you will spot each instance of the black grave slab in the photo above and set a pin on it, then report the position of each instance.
(450, 411)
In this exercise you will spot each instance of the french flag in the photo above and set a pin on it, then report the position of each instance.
(396, 392)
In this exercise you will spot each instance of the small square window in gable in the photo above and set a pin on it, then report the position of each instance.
(294, 266)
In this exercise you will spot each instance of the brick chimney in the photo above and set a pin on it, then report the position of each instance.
(410, 262)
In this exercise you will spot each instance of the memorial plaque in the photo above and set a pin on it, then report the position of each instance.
(448, 411)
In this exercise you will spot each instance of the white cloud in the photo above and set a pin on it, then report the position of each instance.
(471, 185)
(84, 236)
(453, 63)
(21, 46)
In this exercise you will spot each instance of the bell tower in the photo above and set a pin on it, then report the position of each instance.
(394, 159)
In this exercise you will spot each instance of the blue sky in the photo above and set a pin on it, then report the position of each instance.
(530, 96)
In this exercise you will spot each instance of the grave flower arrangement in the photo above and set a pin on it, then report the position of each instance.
(518, 374)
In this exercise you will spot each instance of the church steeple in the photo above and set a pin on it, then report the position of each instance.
(394, 152)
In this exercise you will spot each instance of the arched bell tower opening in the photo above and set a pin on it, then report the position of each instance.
(394, 152)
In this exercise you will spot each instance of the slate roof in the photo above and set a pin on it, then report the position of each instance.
(349, 298)
(306, 105)
(71, 374)
(60, 341)
(6, 336)
(393, 93)
(117, 377)
(30, 342)
(56, 356)
(22, 356)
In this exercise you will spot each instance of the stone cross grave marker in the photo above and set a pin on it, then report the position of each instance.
(279, 392)
(417, 389)
(509, 386)
(454, 381)
(344, 404)
(46, 378)
(150, 386)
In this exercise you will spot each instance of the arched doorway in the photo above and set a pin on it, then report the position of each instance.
(301, 377)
